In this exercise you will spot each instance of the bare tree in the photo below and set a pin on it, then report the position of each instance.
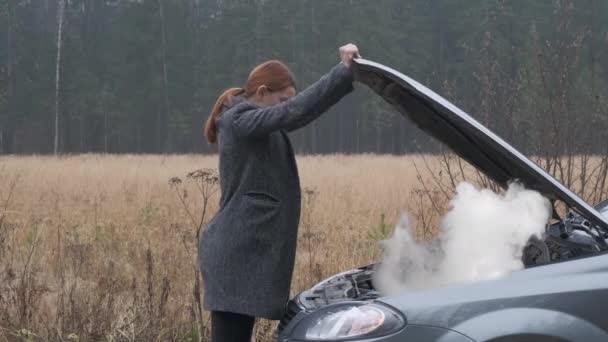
(259, 27)
(317, 42)
(10, 73)
(164, 114)
(60, 15)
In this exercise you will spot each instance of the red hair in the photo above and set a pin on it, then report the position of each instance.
(273, 74)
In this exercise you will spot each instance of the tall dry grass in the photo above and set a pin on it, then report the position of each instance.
(97, 247)
(102, 248)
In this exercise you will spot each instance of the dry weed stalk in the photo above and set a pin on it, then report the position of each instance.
(207, 184)
(311, 238)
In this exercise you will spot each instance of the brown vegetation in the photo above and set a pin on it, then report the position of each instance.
(102, 248)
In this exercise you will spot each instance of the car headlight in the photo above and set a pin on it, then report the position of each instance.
(348, 321)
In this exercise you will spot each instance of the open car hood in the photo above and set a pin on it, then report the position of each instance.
(466, 137)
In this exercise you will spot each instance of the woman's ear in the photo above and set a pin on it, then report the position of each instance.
(262, 91)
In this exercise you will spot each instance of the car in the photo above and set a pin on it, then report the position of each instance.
(560, 295)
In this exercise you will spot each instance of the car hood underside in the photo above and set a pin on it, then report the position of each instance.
(465, 136)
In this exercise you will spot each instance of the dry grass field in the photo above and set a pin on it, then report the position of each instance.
(102, 248)
(97, 247)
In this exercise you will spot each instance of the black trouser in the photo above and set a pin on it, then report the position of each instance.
(231, 327)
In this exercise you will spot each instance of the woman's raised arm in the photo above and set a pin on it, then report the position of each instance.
(297, 111)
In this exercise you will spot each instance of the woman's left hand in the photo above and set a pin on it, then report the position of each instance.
(347, 53)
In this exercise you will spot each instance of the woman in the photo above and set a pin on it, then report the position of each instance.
(248, 249)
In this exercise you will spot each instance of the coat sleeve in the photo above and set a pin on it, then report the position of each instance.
(299, 110)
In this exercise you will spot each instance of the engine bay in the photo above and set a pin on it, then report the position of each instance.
(570, 237)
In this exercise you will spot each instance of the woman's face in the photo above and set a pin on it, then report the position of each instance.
(266, 98)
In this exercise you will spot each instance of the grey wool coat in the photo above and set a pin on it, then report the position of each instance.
(247, 250)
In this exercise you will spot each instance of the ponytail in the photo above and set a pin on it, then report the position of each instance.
(210, 130)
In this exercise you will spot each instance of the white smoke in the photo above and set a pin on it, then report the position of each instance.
(482, 237)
